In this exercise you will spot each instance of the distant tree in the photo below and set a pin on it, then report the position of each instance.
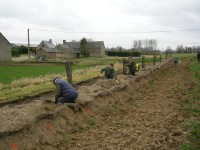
(140, 45)
(180, 49)
(189, 49)
(168, 50)
(83, 47)
(147, 46)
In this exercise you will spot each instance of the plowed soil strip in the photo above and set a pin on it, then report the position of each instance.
(153, 119)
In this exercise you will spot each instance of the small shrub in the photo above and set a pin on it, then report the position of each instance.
(67, 139)
(91, 122)
(15, 52)
(118, 107)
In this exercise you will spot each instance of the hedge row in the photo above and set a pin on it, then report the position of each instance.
(123, 53)
(19, 51)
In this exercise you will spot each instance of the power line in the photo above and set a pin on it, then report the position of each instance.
(130, 32)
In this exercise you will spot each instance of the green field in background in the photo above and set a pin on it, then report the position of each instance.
(13, 72)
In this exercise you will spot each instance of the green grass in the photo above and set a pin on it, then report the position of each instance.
(11, 72)
(117, 107)
(91, 122)
(186, 56)
(14, 72)
(194, 109)
(67, 139)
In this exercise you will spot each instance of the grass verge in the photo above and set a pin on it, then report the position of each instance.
(194, 110)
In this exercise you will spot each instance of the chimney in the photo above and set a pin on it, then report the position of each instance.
(50, 41)
(64, 41)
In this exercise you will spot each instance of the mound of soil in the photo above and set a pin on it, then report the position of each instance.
(141, 112)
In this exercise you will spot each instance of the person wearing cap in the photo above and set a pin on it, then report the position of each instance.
(131, 65)
(65, 92)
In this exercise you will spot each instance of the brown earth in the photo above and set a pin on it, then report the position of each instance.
(142, 112)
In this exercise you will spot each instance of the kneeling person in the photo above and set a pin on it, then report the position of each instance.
(109, 72)
(65, 92)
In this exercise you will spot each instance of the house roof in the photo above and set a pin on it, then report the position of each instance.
(5, 38)
(76, 45)
(65, 47)
(49, 45)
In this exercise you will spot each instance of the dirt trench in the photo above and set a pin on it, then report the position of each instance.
(142, 112)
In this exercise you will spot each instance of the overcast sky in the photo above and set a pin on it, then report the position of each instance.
(102, 16)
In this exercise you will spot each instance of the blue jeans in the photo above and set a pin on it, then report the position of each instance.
(68, 99)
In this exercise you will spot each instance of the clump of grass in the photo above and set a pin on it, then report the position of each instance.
(1, 86)
(188, 147)
(91, 122)
(195, 136)
(126, 124)
(67, 139)
(117, 107)
(135, 103)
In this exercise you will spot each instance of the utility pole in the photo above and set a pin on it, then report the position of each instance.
(28, 46)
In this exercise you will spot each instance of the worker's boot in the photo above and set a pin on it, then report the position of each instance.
(73, 106)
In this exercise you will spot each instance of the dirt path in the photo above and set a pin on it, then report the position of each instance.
(154, 118)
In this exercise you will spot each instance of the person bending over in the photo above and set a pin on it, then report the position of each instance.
(65, 92)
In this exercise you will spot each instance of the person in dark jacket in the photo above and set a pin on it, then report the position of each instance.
(65, 92)
(109, 72)
(131, 65)
(175, 59)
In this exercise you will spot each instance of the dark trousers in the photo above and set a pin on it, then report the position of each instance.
(175, 62)
(111, 76)
(68, 99)
(132, 73)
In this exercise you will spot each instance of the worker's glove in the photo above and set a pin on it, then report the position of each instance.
(101, 75)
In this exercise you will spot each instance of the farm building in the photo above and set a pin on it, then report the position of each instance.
(5, 49)
(67, 51)
(96, 48)
(48, 50)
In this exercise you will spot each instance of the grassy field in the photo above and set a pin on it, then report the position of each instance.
(10, 73)
(194, 109)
